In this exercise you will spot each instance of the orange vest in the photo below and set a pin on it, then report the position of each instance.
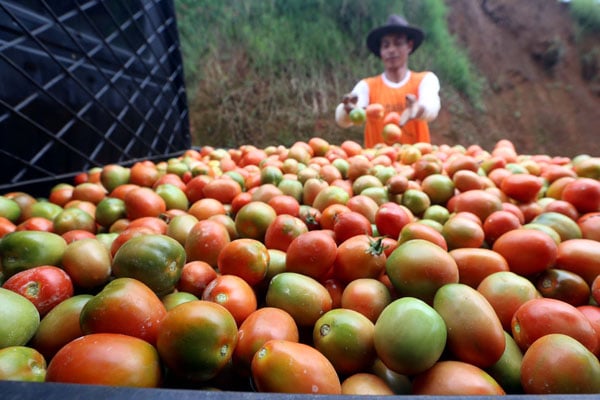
(394, 99)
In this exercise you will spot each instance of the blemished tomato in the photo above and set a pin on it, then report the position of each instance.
(563, 285)
(123, 361)
(359, 256)
(506, 292)
(311, 253)
(283, 230)
(45, 286)
(245, 258)
(455, 378)
(363, 383)
(345, 337)
(475, 264)
(303, 369)
(419, 268)
(196, 339)
(124, 306)
(410, 336)
(475, 333)
(205, 241)
(195, 276)
(59, 326)
(527, 251)
(233, 293)
(156, 260)
(259, 327)
(539, 317)
(580, 256)
(21, 363)
(558, 364)
(303, 297)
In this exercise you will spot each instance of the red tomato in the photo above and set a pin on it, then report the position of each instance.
(245, 258)
(523, 188)
(367, 296)
(580, 256)
(106, 359)
(558, 364)
(527, 251)
(539, 317)
(205, 241)
(455, 378)
(283, 230)
(45, 286)
(126, 306)
(391, 218)
(498, 223)
(195, 276)
(350, 224)
(583, 193)
(589, 224)
(312, 253)
(233, 293)
(359, 256)
(418, 230)
(475, 264)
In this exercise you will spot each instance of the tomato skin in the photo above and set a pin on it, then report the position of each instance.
(350, 224)
(419, 268)
(523, 188)
(311, 253)
(156, 260)
(288, 367)
(583, 193)
(195, 276)
(60, 326)
(558, 364)
(196, 339)
(26, 249)
(507, 370)
(345, 337)
(366, 384)
(124, 361)
(390, 218)
(233, 293)
(283, 230)
(45, 286)
(580, 256)
(367, 296)
(126, 306)
(88, 263)
(527, 251)
(358, 257)
(205, 241)
(475, 264)
(455, 378)
(540, 317)
(262, 325)
(245, 258)
(304, 298)
(563, 285)
(410, 336)
(475, 334)
(20, 363)
(19, 319)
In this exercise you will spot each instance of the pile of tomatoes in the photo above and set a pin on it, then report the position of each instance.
(316, 268)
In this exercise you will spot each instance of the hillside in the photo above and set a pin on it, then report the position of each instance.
(539, 94)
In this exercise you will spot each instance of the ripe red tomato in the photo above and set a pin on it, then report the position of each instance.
(523, 188)
(527, 251)
(205, 241)
(543, 316)
(106, 359)
(359, 256)
(391, 218)
(283, 230)
(45, 286)
(245, 258)
(350, 224)
(233, 293)
(312, 253)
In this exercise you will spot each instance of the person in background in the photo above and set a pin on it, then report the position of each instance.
(414, 96)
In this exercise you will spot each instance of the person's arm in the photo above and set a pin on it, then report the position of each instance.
(427, 105)
(361, 93)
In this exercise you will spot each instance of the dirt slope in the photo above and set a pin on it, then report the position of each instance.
(541, 95)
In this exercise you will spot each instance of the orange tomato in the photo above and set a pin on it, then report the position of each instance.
(475, 264)
(311, 253)
(245, 258)
(303, 369)
(455, 378)
(195, 276)
(143, 202)
(580, 256)
(527, 251)
(233, 293)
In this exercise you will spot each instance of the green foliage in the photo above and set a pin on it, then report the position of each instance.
(273, 71)
(587, 15)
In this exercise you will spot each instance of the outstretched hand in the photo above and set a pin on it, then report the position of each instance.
(349, 100)
(413, 109)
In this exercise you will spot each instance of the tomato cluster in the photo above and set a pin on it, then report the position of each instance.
(316, 268)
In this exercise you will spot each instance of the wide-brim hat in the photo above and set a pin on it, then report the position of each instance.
(394, 24)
